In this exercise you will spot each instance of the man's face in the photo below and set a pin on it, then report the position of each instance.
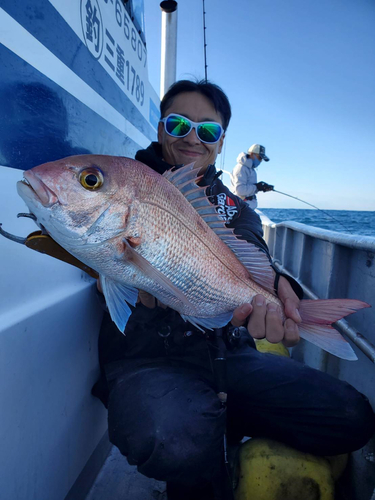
(176, 151)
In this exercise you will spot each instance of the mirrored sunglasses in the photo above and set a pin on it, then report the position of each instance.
(180, 126)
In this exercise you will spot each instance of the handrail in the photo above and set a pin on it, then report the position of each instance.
(366, 243)
(342, 325)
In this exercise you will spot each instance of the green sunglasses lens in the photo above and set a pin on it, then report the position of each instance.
(209, 132)
(177, 126)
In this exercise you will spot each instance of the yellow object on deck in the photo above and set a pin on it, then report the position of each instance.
(264, 346)
(268, 470)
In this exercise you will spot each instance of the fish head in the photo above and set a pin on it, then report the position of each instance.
(81, 200)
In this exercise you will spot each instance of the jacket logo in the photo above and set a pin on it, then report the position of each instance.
(227, 208)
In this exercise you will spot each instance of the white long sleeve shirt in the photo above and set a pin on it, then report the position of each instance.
(244, 178)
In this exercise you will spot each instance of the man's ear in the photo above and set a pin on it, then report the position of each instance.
(160, 132)
(221, 142)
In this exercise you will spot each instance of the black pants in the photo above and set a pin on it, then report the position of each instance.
(165, 416)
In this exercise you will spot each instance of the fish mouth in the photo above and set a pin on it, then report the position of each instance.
(39, 190)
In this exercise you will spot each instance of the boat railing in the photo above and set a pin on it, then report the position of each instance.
(328, 264)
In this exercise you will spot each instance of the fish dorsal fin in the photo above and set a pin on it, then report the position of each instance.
(256, 262)
(185, 180)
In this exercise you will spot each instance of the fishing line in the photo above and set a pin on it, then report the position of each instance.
(222, 159)
(204, 44)
(299, 199)
(320, 210)
(226, 172)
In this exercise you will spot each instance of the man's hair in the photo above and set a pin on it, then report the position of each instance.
(213, 93)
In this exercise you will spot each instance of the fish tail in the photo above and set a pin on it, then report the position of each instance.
(317, 317)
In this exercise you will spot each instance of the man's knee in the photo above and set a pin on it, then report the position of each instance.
(360, 422)
(168, 451)
(171, 438)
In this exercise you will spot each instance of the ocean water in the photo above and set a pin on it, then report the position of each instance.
(342, 221)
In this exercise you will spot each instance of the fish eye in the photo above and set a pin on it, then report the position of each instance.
(91, 178)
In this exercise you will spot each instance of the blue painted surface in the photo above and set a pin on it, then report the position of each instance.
(154, 114)
(49, 315)
(42, 122)
(43, 21)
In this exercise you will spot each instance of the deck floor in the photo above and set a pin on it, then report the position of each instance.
(118, 480)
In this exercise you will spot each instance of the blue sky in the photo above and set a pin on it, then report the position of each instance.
(300, 76)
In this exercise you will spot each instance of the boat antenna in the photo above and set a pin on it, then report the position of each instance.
(320, 210)
(204, 43)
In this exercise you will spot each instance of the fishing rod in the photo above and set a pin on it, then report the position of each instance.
(311, 205)
(204, 43)
(299, 199)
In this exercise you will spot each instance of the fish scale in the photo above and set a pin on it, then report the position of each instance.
(177, 245)
(190, 246)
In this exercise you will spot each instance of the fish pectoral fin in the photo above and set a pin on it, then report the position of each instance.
(210, 323)
(116, 297)
(158, 277)
(329, 339)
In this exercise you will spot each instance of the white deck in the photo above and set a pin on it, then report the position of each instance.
(118, 480)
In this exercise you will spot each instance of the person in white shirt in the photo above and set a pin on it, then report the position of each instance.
(244, 176)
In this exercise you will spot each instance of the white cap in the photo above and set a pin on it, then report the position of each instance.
(259, 150)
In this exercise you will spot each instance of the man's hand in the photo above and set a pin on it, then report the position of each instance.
(265, 320)
(149, 300)
(289, 299)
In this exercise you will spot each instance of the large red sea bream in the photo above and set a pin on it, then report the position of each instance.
(142, 230)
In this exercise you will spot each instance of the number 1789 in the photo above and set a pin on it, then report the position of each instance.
(134, 84)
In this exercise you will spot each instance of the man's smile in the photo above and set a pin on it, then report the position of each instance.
(189, 152)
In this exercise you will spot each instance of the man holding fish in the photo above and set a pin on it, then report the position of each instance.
(166, 236)
(164, 414)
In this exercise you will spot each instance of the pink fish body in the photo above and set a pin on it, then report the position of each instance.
(141, 230)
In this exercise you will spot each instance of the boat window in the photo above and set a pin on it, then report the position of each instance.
(135, 9)
(138, 13)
